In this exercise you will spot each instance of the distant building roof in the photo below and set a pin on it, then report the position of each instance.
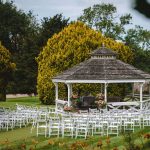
(102, 65)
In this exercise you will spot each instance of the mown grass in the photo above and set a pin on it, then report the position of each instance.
(18, 138)
(27, 101)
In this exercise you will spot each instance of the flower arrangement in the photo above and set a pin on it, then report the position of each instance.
(100, 101)
(68, 108)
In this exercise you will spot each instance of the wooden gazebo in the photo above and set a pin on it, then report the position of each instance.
(103, 67)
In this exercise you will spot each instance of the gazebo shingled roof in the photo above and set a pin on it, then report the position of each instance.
(103, 65)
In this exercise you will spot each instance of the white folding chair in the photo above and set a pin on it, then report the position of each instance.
(67, 127)
(42, 125)
(54, 126)
(128, 123)
(82, 127)
(98, 126)
(113, 127)
(146, 120)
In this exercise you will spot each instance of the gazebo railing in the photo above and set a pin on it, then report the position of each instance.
(136, 97)
(60, 105)
(132, 98)
(129, 105)
(132, 102)
(146, 104)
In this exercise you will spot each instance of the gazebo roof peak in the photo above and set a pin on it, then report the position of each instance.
(103, 53)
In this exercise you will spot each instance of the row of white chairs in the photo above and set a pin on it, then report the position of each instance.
(12, 120)
(21, 116)
(142, 118)
(92, 123)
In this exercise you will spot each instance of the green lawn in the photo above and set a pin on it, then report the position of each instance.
(28, 101)
(17, 138)
(22, 138)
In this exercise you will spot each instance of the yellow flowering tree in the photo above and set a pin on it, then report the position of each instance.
(6, 68)
(68, 48)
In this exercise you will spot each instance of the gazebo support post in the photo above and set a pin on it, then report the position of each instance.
(69, 93)
(105, 92)
(70, 90)
(101, 88)
(141, 95)
(149, 89)
(132, 90)
(56, 93)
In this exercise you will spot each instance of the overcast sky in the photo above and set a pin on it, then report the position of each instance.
(73, 8)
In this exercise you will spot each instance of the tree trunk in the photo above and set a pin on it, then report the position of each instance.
(2, 94)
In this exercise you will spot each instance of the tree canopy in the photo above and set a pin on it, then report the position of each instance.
(138, 38)
(18, 33)
(104, 18)
(50, 26)
(68, 48)
(14, 26)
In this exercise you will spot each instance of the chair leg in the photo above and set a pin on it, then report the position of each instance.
(49, 132)
(85, 134)
(62, 132)
(76, 133)
(37, 131)
(71, 132)
(58, 133)
(45, 132)
(107, 131)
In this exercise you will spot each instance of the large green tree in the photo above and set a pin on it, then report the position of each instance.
(68, 48)
(139, 40)
(14, 26)
(6, 68)
(50, 26)
(19, 33)
(104, 18)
